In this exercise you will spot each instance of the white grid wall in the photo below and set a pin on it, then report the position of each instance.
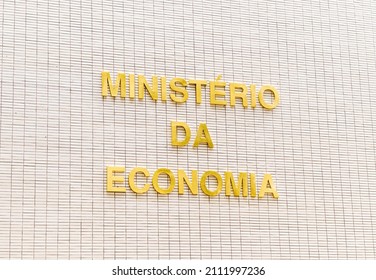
(57, 133)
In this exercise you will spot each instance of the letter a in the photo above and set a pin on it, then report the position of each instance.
(203, 136)
(268, 181)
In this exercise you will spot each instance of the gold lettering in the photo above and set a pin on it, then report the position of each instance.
(253, 95)
(253, 184)
(236, 94)
(183, 178)
(268, 186)
(156, 183)
(275, 93)
(131, 180)
(107, 81)
(242, 184)
(180, 89)
(203, 136)
(174, 133)
(131, 86)
(111, 178)
(142, 84)
(214, 92)
(163, 89)
(203, 183)
(198, 86)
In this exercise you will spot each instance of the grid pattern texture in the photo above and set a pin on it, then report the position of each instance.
(57, 134)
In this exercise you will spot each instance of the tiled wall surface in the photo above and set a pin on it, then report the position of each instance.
(57, 133)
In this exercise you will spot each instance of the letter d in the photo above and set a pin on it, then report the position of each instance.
(174, 133)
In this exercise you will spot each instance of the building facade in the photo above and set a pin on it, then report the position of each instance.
(59, 135)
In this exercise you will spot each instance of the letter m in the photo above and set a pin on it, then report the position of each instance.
(107, 82)
(242, 184)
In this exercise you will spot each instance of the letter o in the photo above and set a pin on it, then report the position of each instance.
(203, 183)
(275, 93)
(169, 173)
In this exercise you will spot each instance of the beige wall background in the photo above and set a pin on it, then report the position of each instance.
(57, 134)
